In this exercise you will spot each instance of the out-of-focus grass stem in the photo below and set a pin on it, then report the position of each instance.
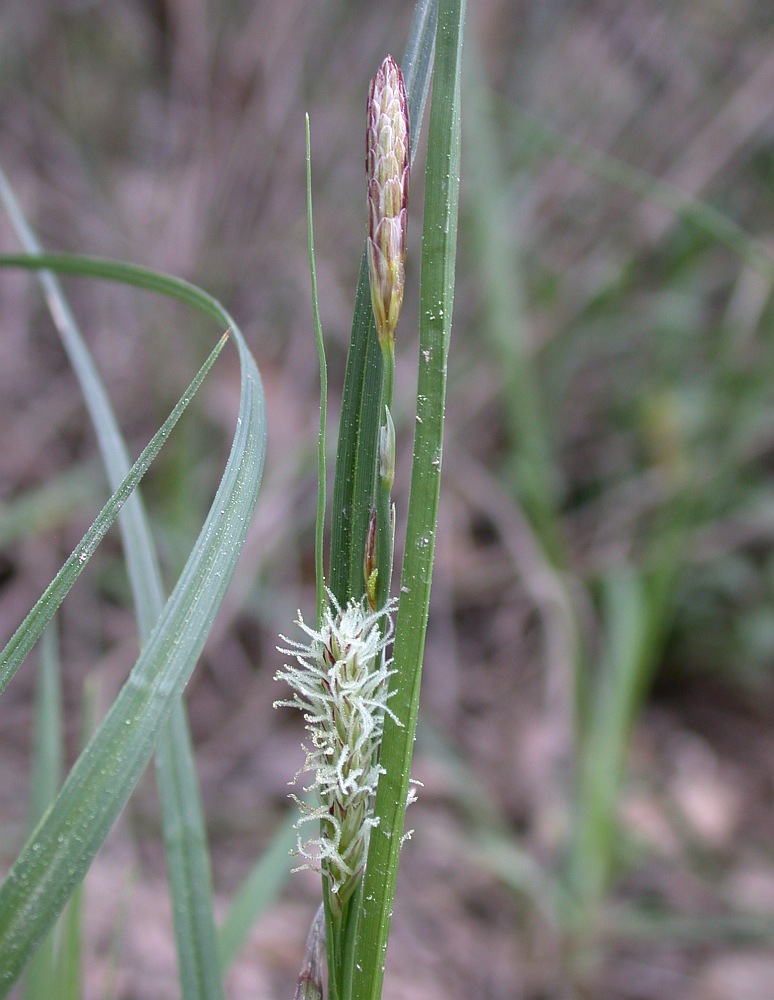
(40, 974)
(534, 473)
(319, 558)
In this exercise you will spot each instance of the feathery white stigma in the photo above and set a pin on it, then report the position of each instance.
(340, 682)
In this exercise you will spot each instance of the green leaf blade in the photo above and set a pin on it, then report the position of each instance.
(60, 851)
(353, 486)
(436, 302)
(35, 622)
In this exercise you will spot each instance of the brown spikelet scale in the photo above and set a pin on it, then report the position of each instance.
(387, 170)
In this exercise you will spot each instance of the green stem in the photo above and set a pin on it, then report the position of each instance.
(319, 562)
(436, 305)
(384, 527)
(349, 922)
(355, 460)
(332, 948)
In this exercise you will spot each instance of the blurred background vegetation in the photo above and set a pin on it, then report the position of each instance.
(596, 744)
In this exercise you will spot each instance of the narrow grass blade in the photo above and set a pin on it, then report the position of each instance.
(47, 763)
(637, 612)
(188, 859)
(625, 657)
(33, 625)
(109, 987)
(436, 302)
(142, 565)
(319, 536)
(70, 946)
(69, 964)
(356, 453)
(417, 65)
(184, 834)
(61, 849)
(257, 893)
(40, 976)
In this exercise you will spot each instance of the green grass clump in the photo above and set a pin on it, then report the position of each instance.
(70, 823)
(605, 553)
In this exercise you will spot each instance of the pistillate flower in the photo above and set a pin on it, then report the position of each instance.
(339, 682)
(387, 170)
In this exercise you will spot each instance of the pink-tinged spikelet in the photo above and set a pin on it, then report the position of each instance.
(387, 170)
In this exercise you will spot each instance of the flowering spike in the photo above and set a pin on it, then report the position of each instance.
(340, 683)
(387, 170)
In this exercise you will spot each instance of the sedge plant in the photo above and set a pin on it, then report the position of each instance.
(357, 618)
(147, 713)
(359, 703)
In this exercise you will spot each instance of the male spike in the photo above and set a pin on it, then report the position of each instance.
(387, 170)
